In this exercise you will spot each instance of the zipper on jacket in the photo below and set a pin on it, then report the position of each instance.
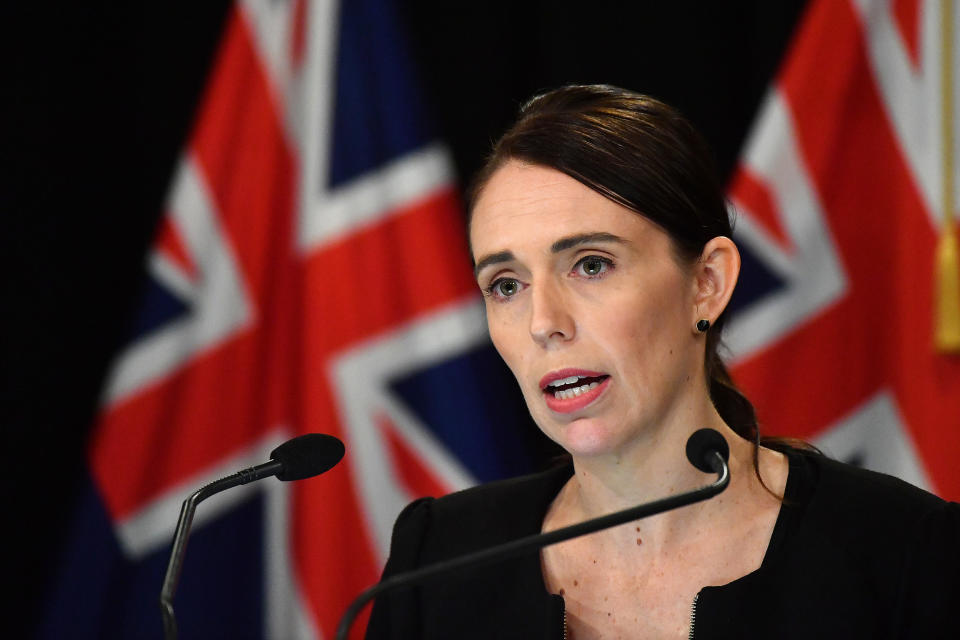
(564, 620)
(693, 615)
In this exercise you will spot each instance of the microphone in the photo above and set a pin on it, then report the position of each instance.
(706, 450)
(302, 457)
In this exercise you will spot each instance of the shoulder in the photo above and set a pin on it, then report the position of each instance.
(855, 506)
(854, 554)
(498, 600)
(505, 496)
(900, 540)
(479, 516)
(851, 488)
(867, 521)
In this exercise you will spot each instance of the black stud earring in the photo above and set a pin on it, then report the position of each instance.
(703, 325)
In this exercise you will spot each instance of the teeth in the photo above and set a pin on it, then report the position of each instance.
(560, 383)
(566, 394)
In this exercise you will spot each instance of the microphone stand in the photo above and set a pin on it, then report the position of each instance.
(537, 541)
(187, 510)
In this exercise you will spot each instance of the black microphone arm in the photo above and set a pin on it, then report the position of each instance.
(706, 450)
(302, 457)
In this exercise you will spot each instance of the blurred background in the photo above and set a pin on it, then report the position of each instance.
(227, 224)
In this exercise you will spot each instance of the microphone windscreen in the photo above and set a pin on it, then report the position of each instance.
(308, 455)
(701, 444)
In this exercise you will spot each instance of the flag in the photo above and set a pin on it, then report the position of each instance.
(840, 196)
(310, 274)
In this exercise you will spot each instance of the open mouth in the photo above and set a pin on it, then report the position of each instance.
(573, 386)
(570, 391)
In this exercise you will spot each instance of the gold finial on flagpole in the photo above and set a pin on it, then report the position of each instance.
(947, 258)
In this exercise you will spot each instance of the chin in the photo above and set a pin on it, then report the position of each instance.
(586, 438)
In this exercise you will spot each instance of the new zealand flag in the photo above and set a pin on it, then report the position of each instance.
(310, 275)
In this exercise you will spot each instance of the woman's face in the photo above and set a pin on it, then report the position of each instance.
(589, 307)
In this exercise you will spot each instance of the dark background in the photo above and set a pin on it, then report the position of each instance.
(97, 102)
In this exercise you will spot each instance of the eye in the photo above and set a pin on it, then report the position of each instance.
(592, 266)
(503, 288)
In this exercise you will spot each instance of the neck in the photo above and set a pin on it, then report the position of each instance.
(654, 468)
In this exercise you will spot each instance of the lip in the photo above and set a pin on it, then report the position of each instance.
(560, 374)
(569, 405)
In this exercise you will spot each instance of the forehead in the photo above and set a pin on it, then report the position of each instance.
(529, 204)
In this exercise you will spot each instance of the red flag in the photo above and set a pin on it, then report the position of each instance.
(839, 194)
(311, 256)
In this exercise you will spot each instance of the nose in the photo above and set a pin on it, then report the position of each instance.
(550, 319)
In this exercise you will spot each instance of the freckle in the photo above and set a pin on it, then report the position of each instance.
(608, 614)
(575, 583)
(594, 562)
(604, 598)
(639, 541)
(638, 529)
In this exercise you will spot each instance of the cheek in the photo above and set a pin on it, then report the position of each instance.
(645, 337)
(505, 341)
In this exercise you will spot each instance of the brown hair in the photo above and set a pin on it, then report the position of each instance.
(645, 156)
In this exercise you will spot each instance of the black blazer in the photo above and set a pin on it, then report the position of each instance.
(854, 554)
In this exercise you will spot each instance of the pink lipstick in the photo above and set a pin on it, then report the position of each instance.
(569, 390)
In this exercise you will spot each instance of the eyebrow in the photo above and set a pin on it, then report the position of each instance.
(560, 245)
(572, 241)
(493, 258)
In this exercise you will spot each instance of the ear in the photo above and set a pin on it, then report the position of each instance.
(715, 276)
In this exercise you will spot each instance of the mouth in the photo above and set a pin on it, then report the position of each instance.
(570, 390)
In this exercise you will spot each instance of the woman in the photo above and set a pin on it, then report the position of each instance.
(601, 242)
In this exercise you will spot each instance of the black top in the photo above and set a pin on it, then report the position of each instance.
(854, 554)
